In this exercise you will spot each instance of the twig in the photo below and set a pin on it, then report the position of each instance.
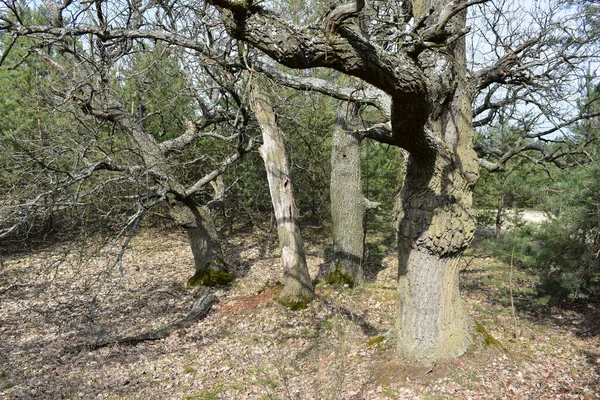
(512, 300)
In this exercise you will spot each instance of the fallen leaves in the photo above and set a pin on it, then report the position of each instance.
(250, 347)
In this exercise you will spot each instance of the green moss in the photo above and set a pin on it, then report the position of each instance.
(190, 370)
(268, 285)
(375, 340)
(307, 332)
(4, 382)
(240, 4)
(488, 340)
(294, 304)
(339, 278)
(433, 397)
(210, 394)
(210, 278)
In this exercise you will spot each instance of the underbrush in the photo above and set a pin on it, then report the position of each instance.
(563, 264)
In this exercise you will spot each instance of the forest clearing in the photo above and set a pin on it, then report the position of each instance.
(250, 347)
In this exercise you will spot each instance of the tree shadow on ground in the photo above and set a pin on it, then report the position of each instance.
(43, 328)
(581, 317)
(326, 323)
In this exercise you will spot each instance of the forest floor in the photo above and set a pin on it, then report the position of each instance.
(249, 347)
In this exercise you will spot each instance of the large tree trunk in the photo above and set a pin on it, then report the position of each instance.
(435, 220)
(436, 225)
(347, 202)
(430, 117)
(298, 289)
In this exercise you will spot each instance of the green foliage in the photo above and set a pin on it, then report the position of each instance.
(383, 168)
(556, 266)
(571, 241)
(308, 138)
(153, 85)
(570, 252)
(521, 184)
(210, 394)
(563, 251)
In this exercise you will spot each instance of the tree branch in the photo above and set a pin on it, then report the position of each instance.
(369, 96)
(340, 13)
(220, 169)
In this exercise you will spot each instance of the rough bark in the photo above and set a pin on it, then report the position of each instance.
(344, 50)
(435, 219)
(347, 203)
(431, 96)
(210, 266)
(298, 289)
(341, 12)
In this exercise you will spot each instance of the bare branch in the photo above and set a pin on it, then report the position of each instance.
(452, 9)
(219, 170)
(369, 96)
(340, 13)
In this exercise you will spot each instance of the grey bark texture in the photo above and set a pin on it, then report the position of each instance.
(298, 288)
(210, 266)
(435, 217)
(347, 202)
(431, 117)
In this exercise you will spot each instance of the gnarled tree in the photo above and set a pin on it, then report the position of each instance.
(91, 78)
(423, 69)
(414, 53)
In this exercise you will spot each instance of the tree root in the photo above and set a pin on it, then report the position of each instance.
(200, 309)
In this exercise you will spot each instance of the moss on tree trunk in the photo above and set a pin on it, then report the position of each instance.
(210, 266)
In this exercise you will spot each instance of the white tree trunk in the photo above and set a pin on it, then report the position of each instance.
(298, 289)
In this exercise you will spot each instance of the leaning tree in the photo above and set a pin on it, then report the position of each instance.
(150, 123)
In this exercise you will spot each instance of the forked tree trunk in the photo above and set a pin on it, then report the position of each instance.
(347, 202)
(436, 222)
(298, 289)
